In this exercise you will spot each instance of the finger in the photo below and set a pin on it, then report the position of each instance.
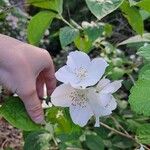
(40, 85)
(29, 96)
(50, 80)
(49, 74)
(34, 107)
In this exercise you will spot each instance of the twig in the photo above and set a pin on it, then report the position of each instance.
(65, 21)
(132, 79)
(116, 131)
(3, 144)
(122, 134)
(119, 125)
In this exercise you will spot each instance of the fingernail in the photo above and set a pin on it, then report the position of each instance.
(39, 119)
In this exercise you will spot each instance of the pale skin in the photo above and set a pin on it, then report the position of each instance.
(24, 69)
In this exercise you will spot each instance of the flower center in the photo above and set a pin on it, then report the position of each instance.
(79, 98)
(81, 72)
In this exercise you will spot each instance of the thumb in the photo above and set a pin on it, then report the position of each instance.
(32, 104)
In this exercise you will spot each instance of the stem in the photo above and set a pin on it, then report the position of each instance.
(132, 79)
(122, 134)
(56, 144)
(119, 125)
(65, 21)
(117, 132)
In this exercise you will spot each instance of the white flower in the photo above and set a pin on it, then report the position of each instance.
(80, 71)
(85, 103)
(106, 86)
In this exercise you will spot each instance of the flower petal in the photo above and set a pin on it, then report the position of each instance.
(96, 70)
(101, 84)
(98, 103)
(112, 104)
(60, 96)
(112, 87)
(80, 115)
(65, 75)
(78, 59)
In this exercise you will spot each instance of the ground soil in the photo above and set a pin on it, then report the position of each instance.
(10, 137)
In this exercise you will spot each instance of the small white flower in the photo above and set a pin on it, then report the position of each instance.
(80, 71)
(85, 103)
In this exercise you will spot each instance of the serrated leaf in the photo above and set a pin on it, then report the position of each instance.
(94, 142)
(38, 25)
(145, 52)
(133, 16)
(143, 134)
(39, 140)
(139, 98)
(56, 5)
(137, 39)
(101, 8)
(14, 112)
(67, 35)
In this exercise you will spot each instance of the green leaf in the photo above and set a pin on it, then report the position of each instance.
(101, 8)
(93, 30)
(56, 5)
(38, 25)
(144, 71)
(94, 142)
(137, 39)
(116, 73)
(15, 113)
(139, 98)
(145, 52)
(145, 14)
(144, 4)
(39, 140)
(83, 43)
(143, 134)
(132, 2)
(133, 16)
(67, 35)
(62, 120)
(70, 140)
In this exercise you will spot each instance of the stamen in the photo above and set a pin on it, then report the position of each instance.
(81, 72)
(78, 98)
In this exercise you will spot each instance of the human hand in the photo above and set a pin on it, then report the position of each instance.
(24, 69)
